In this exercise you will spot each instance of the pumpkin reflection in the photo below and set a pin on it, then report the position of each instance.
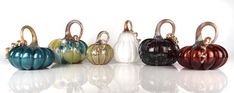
(70, 77)
(126, 77)
(101, 76)
(159, 79)
(213, 81)
(31, 81)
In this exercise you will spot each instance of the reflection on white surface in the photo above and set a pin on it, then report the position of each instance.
(101, 76)
(117, 78)
(70, 77)
(202, 81)
(31, 81)
(127, 77)
(158, 79)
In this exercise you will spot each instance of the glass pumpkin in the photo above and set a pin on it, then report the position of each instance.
(29, 57)
(203, 54)
(158, 51)
(125, 49)
(100, 53)
(70, 49)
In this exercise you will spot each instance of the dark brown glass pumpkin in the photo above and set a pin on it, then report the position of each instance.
(159, 51)
(203, 54)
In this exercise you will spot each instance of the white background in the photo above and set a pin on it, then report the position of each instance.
(49, 19)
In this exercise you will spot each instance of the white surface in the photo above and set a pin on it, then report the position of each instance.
(116, 78)
(49, 18)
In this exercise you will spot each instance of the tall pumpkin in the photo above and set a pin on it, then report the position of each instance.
(70, 49)
(126, 48)
(29, 57)
(100, 53)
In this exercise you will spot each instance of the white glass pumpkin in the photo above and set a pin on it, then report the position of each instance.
(126, 48)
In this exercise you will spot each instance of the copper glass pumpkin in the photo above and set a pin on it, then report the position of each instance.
(100, 53)
(158, 51)
(29, 57)
(203, 54)
(126, 48)
(70, 49)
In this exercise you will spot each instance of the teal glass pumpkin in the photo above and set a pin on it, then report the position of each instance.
(70, 49)
(30, 57)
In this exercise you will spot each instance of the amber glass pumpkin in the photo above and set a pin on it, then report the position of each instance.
(203, 54)
(158, 51)
(29, 57)
(70, 49)
(100, 53)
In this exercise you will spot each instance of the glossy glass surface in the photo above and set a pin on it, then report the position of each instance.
(158, 51)
(100, 54)
(27, 58)
(126, 48)
(216, 57)
(68, 51)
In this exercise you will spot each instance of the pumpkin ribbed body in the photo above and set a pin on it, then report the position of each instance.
(27, 58)
(68, 51)
(158, 52)
(126, 48)
(216, 57)
(99, 54)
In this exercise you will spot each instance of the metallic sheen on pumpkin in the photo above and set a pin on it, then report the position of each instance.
(70, 49)
(100, 53)
(30, 57)
(158, 51)
(203, 55)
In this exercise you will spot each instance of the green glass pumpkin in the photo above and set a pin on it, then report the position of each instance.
(30, 57)
(100, 53)
(69, 49)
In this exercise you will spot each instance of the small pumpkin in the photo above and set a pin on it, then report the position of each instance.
(100, 53)
(29, 57)
(125, 49)
(158, 51)
(203, 54)
(70, 49)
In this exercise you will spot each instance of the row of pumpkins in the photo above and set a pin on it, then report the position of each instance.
(156, 51)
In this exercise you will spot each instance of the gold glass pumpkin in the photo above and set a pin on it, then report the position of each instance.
(100, 53)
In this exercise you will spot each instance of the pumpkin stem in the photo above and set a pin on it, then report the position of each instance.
(68, 30)
(100, 37)
(34, 42)
(127, 26)
(158, 27)
(199, 29)
(172, 38)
